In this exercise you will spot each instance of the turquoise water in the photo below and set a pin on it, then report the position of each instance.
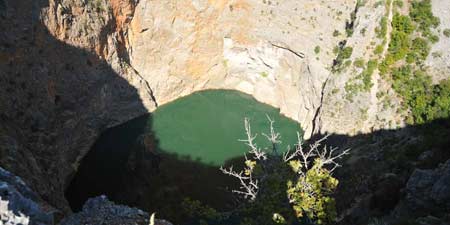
(208, 125)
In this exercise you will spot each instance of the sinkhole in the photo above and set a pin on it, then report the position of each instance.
(155, 161)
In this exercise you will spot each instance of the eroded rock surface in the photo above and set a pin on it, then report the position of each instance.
(20, 205)
(100, 210)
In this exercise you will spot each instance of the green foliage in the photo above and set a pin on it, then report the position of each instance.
(363, 31)
(264, 74)
(400, 37)
(381, 31)
(401, 23)
(317, 49)
(446, 32)
(272, 198)
(362, 82)
(315, 201)
(421, 13)
(433, 38)
(359, 63)
(420, 49)
(426, 101)
(340, 62)
(379, 49)
(336, 33)
(399, 45)
(346, 53)
(398, 3)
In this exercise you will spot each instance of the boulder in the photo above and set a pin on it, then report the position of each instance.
(100, 210)
(19, 204)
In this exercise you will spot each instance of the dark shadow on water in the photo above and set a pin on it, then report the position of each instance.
(126, 165)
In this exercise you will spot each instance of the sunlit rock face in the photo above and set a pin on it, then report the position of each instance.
(263, 48)
(260, 48)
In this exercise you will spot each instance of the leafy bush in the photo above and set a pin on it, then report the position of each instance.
(342, 55)
(398, 3)
(378, 50)
(421, 13)
(401, 23)
(420, 49)
(381, 31)
(336, 33)
(359, 63)
(317, 49)
(446, 32)
(399, 45)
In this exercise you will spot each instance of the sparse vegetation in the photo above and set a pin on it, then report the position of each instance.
(381, 31)
(362, 82)
(409, 79)
(398, 3)
(422, 15)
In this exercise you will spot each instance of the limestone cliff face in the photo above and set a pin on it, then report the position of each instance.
(266, 49)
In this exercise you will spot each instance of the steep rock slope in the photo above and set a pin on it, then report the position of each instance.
(56, 97)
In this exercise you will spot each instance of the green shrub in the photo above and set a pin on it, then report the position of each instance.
(433, 38)
(422, 14)
(359, 63)
(379, 49)
(420, 48)
(346, 52)
(342, 55)
(336, 33)
(446, 32)
(399, 45)
(401, 23)
(381, 31)
(398, 3)
(317, 49)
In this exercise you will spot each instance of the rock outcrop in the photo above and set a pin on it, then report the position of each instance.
(20, 205)
(428, 191)
(100, 210)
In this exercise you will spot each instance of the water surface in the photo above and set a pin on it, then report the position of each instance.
(208, 125)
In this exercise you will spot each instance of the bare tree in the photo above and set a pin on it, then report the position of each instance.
(322, 156)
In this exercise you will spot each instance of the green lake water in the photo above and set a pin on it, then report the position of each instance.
(208, 125)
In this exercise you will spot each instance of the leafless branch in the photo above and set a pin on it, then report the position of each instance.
(273, 137)
(258, 154)
(249, 186)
